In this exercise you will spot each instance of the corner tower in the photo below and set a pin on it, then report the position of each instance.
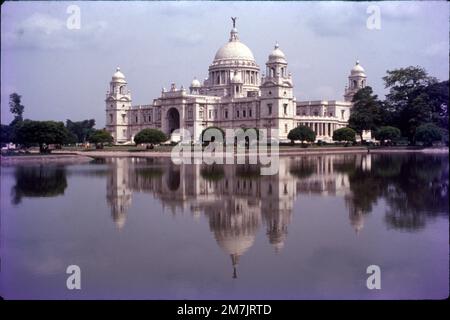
(356, 80)
(118, 103)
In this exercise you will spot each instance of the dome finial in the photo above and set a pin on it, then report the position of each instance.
(276, 45)
(357, 61)
(118, 69)
(234, 21)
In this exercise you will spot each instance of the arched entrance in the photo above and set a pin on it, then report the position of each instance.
(173, 117)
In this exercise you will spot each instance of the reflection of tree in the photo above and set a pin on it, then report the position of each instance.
(212, 172)
(42, 181)
(414, 186)
(248, 171)
(303, 168)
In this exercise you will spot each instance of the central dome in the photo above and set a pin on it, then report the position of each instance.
(234, 50)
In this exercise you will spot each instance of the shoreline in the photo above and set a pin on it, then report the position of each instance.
(76, 157)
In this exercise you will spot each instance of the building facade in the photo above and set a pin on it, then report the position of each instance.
(235, 94)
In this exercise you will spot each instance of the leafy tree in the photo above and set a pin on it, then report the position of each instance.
(366, 111)
(344, 134)
(43, 133)
(302, 134)
(428, 133)
(6, 134)
(387, 133)
(16, 108)
(81, 129)
(408, 101)
(100, 137)
(438, 94)
(151, 136)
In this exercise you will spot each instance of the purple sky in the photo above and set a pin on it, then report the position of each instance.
(63, 73)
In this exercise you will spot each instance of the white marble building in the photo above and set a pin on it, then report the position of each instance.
(235, 94)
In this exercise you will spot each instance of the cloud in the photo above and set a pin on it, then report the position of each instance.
(182, 8)
(399, 10)
(187, 38)
(437, 49)
(42, 31)
(337, 19)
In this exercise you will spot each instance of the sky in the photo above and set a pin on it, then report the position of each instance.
(64, 73)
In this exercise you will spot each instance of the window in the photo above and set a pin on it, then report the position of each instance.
(226, 113)
(270, 93)
(137, 119)
(200, 114)
(243, 113)
(149, 118)
(285, 108)
(210, 114)
(112, 106)
(123, 118)
(316, 113)
(250, 112)
(110, 118)
(269, 108)
(124, 132)
(123, 106)
(331, 114)
(215, 114)
(190, 114)
(285, 128)
(342, 114)
(237, 113)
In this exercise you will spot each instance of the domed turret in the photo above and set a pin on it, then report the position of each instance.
(195, 86)
(118, 76)
(356, 81)
(277, 55)
(358, 70)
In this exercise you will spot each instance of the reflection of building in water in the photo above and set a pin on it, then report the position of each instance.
(118, 192)
(236, 199)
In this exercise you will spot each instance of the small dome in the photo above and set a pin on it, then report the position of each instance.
(357, 69)
(118, 75)
(195, 83)
(277, 55)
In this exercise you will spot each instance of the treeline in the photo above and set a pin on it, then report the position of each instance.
(28, 133)
(416, 108)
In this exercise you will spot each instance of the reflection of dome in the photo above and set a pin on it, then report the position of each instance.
(235, 244)
(118, 76)
(234, 50)
(277, 55)
(358, 69)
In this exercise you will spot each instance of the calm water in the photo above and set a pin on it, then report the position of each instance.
(147, 229)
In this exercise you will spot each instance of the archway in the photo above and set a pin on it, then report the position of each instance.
(173, 117)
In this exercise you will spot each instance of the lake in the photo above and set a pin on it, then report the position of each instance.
(144, 228)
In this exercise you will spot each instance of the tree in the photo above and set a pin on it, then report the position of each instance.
(438, 94)
(43, 133)
(81, 129)
(6, 134)
(100, 137)
(16, 108)
(408, 100)
(366, 111)
(344, 134)
(302, 134)
(428, 133)
(151, 136)
(387, 133)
